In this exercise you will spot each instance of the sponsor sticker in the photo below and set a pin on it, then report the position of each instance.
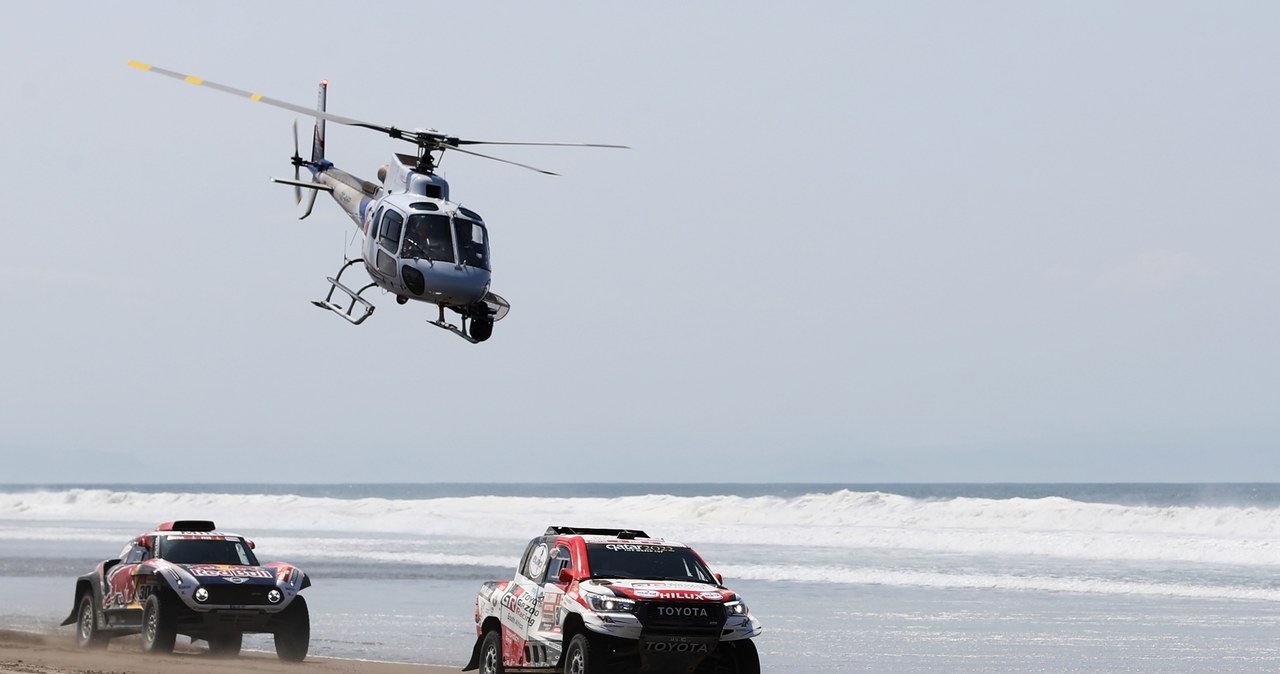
(634, 547)
(228, 571)
(676, 645)
(538, 561)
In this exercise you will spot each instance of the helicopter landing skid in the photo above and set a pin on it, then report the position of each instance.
(446, 325)
(347, 312)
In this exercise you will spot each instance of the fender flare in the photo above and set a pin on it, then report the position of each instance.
(490, 624)
(89, 583)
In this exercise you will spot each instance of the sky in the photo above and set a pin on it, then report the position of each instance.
(852, 242)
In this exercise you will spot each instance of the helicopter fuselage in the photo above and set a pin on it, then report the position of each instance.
(416, 243)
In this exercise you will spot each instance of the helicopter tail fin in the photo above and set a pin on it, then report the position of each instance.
(317, 141)
(317, 145)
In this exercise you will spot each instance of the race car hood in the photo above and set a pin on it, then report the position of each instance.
(226, 574)
(664, 590)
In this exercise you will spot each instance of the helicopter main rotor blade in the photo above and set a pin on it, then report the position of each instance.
(426, 140)
(259, 98)
(458, 141)
(504, 161)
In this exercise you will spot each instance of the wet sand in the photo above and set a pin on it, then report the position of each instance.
(32, 653)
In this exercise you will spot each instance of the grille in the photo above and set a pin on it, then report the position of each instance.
(245, 595)
(681, 616)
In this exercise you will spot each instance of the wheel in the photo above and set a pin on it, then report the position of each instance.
(491, 653)
(737, 657)
(158, 630)
(87, 633)
(580, 658)
(226, 644)
(481, 329)
(293, 637)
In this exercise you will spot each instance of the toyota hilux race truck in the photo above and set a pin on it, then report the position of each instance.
(600, 601)
(187, 578)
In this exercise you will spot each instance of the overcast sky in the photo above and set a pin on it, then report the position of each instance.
(853, 242)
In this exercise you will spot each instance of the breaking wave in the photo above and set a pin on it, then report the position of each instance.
(1049, 528)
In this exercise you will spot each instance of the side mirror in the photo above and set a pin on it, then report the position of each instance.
(147, 542)
(250, 543)
(567, 575)
(719, 579)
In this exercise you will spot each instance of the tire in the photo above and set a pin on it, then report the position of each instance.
(293, 636)
(226, 644)
(580, 657)
(88, 636)
(491, 653)
(158, 630)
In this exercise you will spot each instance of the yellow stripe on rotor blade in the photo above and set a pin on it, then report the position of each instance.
(193, 79)
(140, 66)
(255, 98)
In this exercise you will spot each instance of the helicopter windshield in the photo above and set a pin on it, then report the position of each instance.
(427, 236)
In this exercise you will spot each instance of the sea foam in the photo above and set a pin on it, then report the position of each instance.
(1045, 527)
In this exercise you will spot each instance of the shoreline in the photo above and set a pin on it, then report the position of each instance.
(53, 653)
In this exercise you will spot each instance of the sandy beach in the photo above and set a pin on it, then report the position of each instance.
(32, 653)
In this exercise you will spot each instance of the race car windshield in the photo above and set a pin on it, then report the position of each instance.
(647, 562)
(197, 551)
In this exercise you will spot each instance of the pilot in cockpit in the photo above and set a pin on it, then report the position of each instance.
(411, 249)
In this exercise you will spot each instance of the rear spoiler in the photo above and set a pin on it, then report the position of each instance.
(187, 525)
(586, 531)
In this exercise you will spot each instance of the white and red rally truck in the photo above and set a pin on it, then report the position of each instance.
(596, 601)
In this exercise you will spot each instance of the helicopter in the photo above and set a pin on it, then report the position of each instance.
(415, 242)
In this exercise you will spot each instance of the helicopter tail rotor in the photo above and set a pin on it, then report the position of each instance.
(297, 165)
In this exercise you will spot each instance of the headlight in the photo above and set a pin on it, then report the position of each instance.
(610, 604)
(202, 595)
(274, 596)
(735, 608)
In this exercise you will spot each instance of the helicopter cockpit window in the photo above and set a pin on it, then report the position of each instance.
(473, 245)
(390, 235)
(427, 236)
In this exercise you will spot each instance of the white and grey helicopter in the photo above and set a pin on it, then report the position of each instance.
(416, 243)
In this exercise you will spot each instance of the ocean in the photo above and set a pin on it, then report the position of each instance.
(844, 578)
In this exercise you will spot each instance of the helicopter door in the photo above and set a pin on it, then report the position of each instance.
(473, 245)
(369, 248)
(388, 242)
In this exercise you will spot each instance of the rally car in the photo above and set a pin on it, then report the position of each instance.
(595, 601)
(188, 578)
